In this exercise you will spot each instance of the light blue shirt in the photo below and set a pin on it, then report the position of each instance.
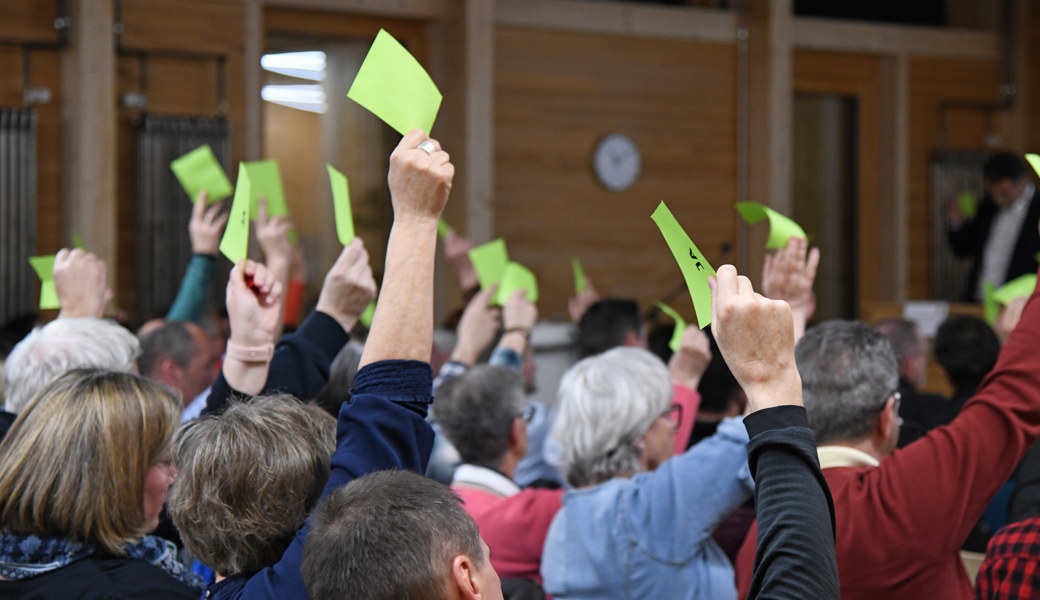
(650, 536)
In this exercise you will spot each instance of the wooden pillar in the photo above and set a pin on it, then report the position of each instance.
(88, 126)
(894, 169)
(1014, 124)
(479, 125)
(769, 105)
(253, 49)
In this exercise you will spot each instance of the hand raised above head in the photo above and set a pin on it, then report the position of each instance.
(81, 283)
(252, 304)
(272, 233)
(420, 178)
(349, 285)
(206, 226)
(688, 364)
(477, 328)
(789, 275)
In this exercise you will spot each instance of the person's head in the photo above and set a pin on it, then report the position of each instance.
(481, 414)
(910, 347)
(341, 379)
(610, 323)
(849, 380)
(179, 354)
(248, 478)
(63, 345)
(89, 459)
(966, 348)
(613, 416)
(395, 535)
(721, 395)
(1006, 177)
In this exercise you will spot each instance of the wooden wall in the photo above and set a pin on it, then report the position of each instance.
(556, 95)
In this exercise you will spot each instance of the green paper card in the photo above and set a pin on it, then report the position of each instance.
(516, 277)
(394, 87)
(199, 170)
(366, 317)
(235, 243)
(443, 228)
(1034, 159)
(966, 202)
(990, 306)
(266, 180)
(579, 276)
(781, 228)
(341, 205)
(680, 325)
(77, 241)
(1016, 288)
(489, 261)
(44, 267)
(694, 267)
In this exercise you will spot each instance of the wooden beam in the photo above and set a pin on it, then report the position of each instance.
(416, 9)
(620, 18)
(849, 36)
(480, 120)
(894, 170)
(253, 49)
(88, 126)
(1014, 123)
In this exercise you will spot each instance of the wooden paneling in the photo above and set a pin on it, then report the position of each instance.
(556, 95)
(932, 81)
(1031, 28)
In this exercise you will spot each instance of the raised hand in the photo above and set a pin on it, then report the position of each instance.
(349, 286)
(789, 276)
(688, 364)
(254, 313)
(477, 328)
(206, 226)
(518, 317)
(81, 283)
(419, 182)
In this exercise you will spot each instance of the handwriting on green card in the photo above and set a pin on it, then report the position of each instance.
(580, 285)
(366, 317)
(235, 243)
(990, 306)
(680, 326)
(44, 267)
(1034, 159)
(265, 179)
(199, 170)
(694, 266)
(394, 86)
(489, 261)
(966, 203)
(781, 228)
(516, 277)
(341, 205)
(443, 228)
(1016, 288)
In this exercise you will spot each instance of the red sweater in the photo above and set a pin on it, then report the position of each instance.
(900, 525)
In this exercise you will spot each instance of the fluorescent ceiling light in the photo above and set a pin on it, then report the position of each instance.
(304, 97)
(305, 65)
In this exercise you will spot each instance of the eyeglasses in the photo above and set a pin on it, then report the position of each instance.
(674, 415)
(528, 413)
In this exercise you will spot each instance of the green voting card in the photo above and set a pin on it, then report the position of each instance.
(990, 306)
(443, 228)
(77, 241)
(1016, 288)
(199, 170)
(680, 325)
(967, 205)
(489, 261)
(694, 266)
(579, 276)
(366, 317)
(516, 277)
(235, 243)
(44, 267)
(265, 179)
(781, 228)
(341, 205)
(394, 86)
(1034, 159)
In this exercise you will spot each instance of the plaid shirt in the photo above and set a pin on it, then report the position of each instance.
(1012, 567)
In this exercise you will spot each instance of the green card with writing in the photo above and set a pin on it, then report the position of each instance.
(580, 284)
(694, 266)
(1016, 288)
(516, 277)
(341, 205)
(199, 170)
(489, 261)
(235, 243)
(44, 267)
(265, 179)
(394, 86)
(680, 325)
(781, 228)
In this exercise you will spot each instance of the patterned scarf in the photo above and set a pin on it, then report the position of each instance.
(25, 556)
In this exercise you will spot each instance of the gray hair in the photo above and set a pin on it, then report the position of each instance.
(476, 412)
(904, 336)
(606, 403)
(169, 340)
(848, 369)
(61, 346)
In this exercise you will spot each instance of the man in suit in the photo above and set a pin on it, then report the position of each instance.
(1001, 237)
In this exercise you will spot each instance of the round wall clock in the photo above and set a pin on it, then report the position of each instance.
(617, 162)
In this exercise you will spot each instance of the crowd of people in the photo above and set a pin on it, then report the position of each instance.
(244, 453)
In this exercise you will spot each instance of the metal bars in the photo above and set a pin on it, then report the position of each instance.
(17, 210)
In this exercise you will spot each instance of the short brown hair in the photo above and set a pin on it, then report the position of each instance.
(76, 458)
(247, 480)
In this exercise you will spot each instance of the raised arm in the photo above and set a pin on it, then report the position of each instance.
(205, 230)
(81, 283)
(795, 557)
(789, 276)
(253, 314)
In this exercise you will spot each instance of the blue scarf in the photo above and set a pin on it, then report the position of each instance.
(25, 556)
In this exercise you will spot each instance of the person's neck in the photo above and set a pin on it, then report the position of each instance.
(866, 446)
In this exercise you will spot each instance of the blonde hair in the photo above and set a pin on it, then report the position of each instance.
(75, 460)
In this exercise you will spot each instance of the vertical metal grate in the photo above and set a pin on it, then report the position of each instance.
(952, 173)
(17, 210)
(163, 210)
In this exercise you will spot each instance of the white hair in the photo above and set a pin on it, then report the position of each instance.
(606, 403)
(60, 346)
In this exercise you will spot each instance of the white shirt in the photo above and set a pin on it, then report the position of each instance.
(472, 476)
(1000, 245)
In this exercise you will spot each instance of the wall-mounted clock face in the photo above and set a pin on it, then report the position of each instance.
(617, 162)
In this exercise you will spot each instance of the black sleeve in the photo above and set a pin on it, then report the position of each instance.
(795, 557)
